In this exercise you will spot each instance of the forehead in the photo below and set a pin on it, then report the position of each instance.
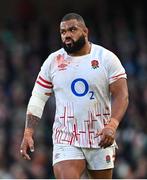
(70, 23)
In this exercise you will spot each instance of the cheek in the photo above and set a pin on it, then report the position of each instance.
(77, 37)
(62, 38)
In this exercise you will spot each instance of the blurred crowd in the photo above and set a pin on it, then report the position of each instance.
(26, 40)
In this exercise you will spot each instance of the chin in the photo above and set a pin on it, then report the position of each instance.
(69, 45)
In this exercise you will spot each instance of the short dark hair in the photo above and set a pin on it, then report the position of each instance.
(70, 16)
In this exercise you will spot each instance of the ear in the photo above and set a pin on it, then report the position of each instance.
(85, 29)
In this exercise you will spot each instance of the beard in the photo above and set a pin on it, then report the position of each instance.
(74, 46)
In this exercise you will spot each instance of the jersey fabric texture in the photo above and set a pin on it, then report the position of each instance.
(81, 88)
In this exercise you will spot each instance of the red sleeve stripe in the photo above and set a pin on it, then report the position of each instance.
(117, 75)
(45, 81)
(45, 86)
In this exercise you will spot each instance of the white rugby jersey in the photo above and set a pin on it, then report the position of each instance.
(81, 88)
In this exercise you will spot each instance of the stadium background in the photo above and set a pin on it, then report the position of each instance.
(29, 31)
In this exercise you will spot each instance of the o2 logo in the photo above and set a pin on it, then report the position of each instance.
(85, 90)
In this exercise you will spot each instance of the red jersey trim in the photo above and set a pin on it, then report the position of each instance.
(117, 75)
(43, 85)
(45, 81)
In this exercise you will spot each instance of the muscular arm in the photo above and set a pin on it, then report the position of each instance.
(42, 90)
(28, 142)
(119, 93)
(31, 122)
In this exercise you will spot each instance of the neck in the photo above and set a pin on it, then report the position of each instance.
(85, 50)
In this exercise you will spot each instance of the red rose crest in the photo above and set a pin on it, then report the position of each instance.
(94, 64)
(108, 158)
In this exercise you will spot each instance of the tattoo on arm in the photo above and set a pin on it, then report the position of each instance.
(31, 121)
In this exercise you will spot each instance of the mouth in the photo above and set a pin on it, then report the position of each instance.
(68, 41)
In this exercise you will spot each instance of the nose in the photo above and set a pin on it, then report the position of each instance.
(67, 35)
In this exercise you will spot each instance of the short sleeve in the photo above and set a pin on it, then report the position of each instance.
(115, 69)
(43, 85)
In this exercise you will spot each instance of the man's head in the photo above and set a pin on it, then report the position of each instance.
(74, 32)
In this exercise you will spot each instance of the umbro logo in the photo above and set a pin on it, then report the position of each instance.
(57, 155)
(61, 62)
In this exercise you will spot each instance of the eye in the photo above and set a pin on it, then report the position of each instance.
(73, 29)
(62, 31)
